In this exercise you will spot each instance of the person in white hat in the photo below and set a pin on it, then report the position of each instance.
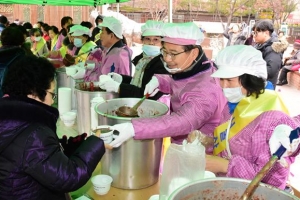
(147, 64)
(259, 124)
(197, 100)
(117, 57)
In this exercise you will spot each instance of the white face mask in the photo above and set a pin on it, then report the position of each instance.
(151, 50)
(37, 38)
(172, 71)
(233, 95)
(78, 42)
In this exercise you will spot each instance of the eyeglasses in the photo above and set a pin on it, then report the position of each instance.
(53, 95)
(255, 32)
(149, 41)
(172, 55)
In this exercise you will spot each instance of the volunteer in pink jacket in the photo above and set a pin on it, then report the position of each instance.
(197, 100)
(260, 123)
(117, 55)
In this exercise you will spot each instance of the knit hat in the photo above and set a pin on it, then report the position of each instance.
(297, 44)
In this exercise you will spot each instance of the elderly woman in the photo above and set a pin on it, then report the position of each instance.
(197, 101)
(243, 144)
(147, 64)
(289, 62)
(33, 163)
(117, 55)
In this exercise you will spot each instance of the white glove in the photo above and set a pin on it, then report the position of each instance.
(126, 131)
(116, 77)
(80, 64)
(152, 87)
(280, 136)
(110, 86)
(80, 73)
(71, 70)
(103, 79)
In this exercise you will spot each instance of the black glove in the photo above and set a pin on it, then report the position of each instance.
(71, 144)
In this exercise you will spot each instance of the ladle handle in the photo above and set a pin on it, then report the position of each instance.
(140, 102)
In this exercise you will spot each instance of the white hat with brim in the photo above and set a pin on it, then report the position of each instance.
(152, 28)
(231, 72)
(114, 25)
(182, 33)
(236, 60)
(78, 30)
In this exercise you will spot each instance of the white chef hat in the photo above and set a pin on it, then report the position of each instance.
(236, 60)
(182, 33)
(114, 25)
(78, 30)
(152, 28)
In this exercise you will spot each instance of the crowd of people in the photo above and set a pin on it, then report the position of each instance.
(228, 105)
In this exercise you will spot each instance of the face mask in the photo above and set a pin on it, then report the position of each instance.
(37, 38)
(151, 50)
(77, 42)
(172, 71)
(233, 95)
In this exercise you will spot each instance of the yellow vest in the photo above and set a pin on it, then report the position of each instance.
(38, 47)
(53, 42)
(85, 49)
(245, 112)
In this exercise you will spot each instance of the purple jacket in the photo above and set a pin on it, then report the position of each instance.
(117, 59)
(197, 103)
(33, 165)
(250, 149)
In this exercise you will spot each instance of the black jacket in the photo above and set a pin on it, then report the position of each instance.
(272, 52)
(155, 66)
(32, 164)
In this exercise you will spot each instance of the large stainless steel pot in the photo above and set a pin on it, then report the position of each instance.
(63, 80)
(135, 164)
(84, 107)
(226, 188)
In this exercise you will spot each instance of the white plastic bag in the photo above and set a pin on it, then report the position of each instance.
(183, 164)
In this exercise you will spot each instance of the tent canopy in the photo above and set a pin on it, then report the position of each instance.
(63, 2)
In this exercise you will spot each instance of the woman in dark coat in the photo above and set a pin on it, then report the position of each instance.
(33, 163)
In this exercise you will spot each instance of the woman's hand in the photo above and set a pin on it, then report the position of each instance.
(216, 164)
(202, 138)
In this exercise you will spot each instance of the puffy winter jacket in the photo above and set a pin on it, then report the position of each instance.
(32, 164)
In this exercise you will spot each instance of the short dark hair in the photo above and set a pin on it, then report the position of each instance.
(33, 30)
(97, 18)
(40, 22)
(12, 36)
(29, 75)
(253, 84)
(3, 19)
(86, 24)
(54, 29)
(264, 25)
(27, 25)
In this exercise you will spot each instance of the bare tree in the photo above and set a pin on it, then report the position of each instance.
(157, 8)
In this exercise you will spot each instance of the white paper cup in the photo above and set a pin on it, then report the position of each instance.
(154, 197)
(208, 174)
(101, 183)
(68, 118)
(107, 137)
